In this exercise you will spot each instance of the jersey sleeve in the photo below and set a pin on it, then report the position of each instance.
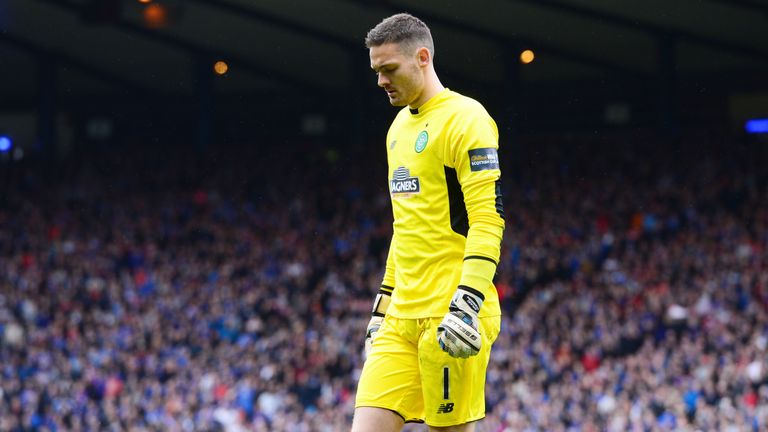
(475, 146)
(388, 283)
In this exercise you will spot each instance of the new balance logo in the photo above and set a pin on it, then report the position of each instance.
(445, 408)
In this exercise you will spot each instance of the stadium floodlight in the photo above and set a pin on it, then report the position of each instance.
(5, 144)
(757, 126)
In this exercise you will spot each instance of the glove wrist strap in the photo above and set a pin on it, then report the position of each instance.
(381, 303)
(467, 299)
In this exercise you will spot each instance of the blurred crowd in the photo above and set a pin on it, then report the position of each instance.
(650, 311)
(230, 292)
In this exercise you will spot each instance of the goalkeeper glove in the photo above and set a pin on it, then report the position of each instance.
(380, 306)
(457, 334)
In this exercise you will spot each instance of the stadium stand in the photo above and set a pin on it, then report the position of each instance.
(170, 292)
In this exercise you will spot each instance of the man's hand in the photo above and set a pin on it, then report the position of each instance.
(380, 305)
(457, 334)
(373, 327)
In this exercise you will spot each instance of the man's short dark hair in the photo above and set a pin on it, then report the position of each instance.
(404, 29)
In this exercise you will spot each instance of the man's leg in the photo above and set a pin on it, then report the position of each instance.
(466, 427)
(454, 388)
(389, 390)
(369, 419)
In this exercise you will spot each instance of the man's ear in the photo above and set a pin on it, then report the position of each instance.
(423, 56)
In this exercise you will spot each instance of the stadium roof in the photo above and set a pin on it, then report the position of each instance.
(106, 47)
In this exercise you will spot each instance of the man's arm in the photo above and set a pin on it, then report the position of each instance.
(382, 300)
(477, 167)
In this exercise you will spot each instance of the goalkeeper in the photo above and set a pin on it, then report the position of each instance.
(437, 312)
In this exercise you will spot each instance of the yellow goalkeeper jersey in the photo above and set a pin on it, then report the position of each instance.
(446, 201)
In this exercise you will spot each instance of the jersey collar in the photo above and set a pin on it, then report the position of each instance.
(430, 103)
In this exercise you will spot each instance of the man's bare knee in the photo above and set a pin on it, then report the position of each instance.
(370, 419)
(466, 427)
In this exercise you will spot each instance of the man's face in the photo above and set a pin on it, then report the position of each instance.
(398, 73)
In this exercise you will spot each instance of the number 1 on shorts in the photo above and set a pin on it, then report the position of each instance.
(446, 383)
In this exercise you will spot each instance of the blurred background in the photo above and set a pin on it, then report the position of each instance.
(194, 213)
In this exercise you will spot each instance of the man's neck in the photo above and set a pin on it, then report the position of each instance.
(431, 89)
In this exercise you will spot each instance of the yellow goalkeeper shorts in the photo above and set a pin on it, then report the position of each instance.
(407, 372)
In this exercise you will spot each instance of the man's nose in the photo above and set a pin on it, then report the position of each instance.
(383, 80)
